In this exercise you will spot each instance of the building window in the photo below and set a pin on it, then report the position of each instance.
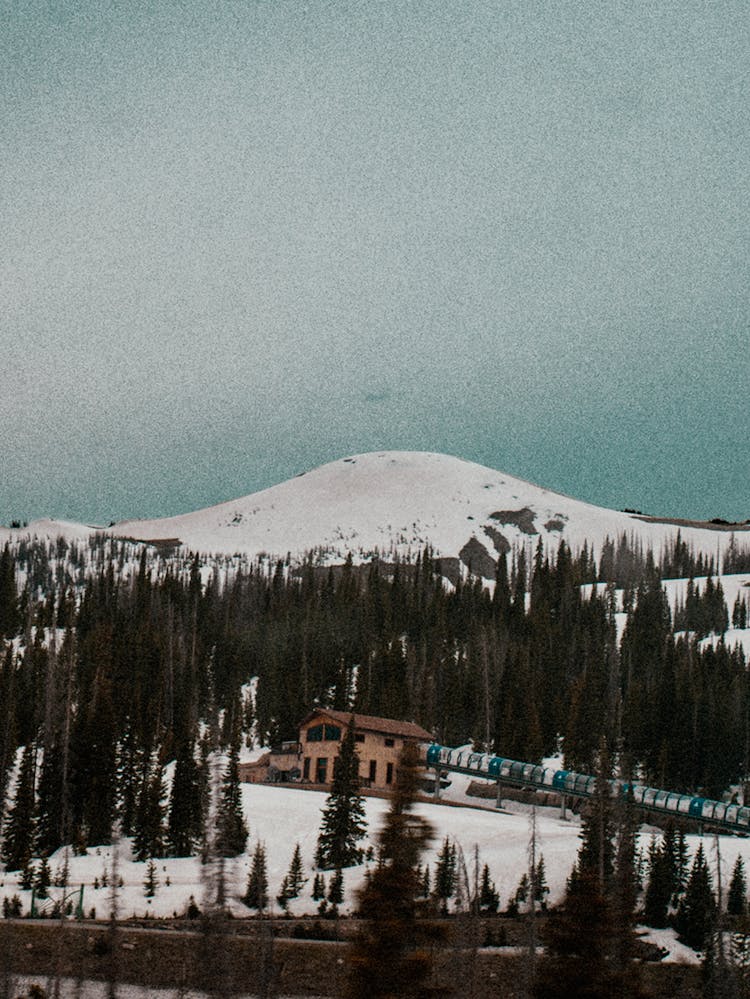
(373, 770)
(359, 736)
(321, 770)
(389, 773)
(390, 742)
(306, 769)
(324, 733)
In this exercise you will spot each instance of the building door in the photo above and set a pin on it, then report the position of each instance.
(321, 770)
(389, 773)
(373, 770)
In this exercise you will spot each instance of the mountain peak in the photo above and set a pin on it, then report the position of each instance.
(397, 502)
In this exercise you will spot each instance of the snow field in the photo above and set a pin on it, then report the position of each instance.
(281, 817)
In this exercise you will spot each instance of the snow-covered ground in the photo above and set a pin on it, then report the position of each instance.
(281, 817)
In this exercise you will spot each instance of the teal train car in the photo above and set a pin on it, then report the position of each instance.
(728, 815)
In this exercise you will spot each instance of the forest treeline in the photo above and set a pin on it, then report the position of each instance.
(115, 657)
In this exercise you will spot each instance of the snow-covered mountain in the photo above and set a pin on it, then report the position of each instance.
(397, 502)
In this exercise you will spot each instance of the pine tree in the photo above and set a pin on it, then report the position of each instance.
(43, 879)
(343, 824)
(425, 882)
(540, 888)
(185, 813)
(232, 829)
(489, 899)
(50, 821)
(148, 833)
(521, 893)
(697, 910)
(445, 874)
(151, 881)
(680, 866)
(336, 888)
(18, 840)
(256, 895)
(285, 894)
(295, 876)
(737, 897)
(10, 617)
(27, 876)
(660, 887)
(318, 888)
(390, 955)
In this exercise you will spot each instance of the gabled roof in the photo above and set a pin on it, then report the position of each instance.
(371, 723)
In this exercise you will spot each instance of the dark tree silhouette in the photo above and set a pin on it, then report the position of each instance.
(391, 954)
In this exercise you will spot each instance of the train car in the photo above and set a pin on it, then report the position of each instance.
(696, 807)
(558, 781)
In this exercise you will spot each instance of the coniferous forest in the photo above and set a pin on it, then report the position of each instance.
(118, 658)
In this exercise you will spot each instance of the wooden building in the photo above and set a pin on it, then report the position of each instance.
(378, 743)
(281, 764)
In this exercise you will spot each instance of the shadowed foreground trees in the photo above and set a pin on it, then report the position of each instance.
(391, 955)
(591, 941)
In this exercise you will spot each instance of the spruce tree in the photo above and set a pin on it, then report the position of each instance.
(659, 888)
(18, 840)
(232, 829)
(336, 888)
(151, 881)
(43, 878)
(296, 876)
(256, 895)
(445, 874)
(539, 887)
(697, 909)
(185, 812)
(50, 823)
(343, 824)
(285, 894)
(737, 897)
(488, 896)
(10, 616)
(148, 833)
(318, 888)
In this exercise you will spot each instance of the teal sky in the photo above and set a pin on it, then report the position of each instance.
(242, 239)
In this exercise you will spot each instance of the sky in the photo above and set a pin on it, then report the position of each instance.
(243, 239)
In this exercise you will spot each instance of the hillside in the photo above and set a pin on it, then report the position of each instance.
(396, 502)
(281, 817)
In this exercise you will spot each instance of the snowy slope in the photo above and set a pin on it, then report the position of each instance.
(48, 527)
(281, 817)
(399, 500)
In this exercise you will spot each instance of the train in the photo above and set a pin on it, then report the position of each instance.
(728, 815)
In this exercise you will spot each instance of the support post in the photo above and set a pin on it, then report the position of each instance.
(563, 806)
(438, 772)
(499, 795)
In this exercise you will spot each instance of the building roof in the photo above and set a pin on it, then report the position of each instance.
(371, 723)
(262, 761)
